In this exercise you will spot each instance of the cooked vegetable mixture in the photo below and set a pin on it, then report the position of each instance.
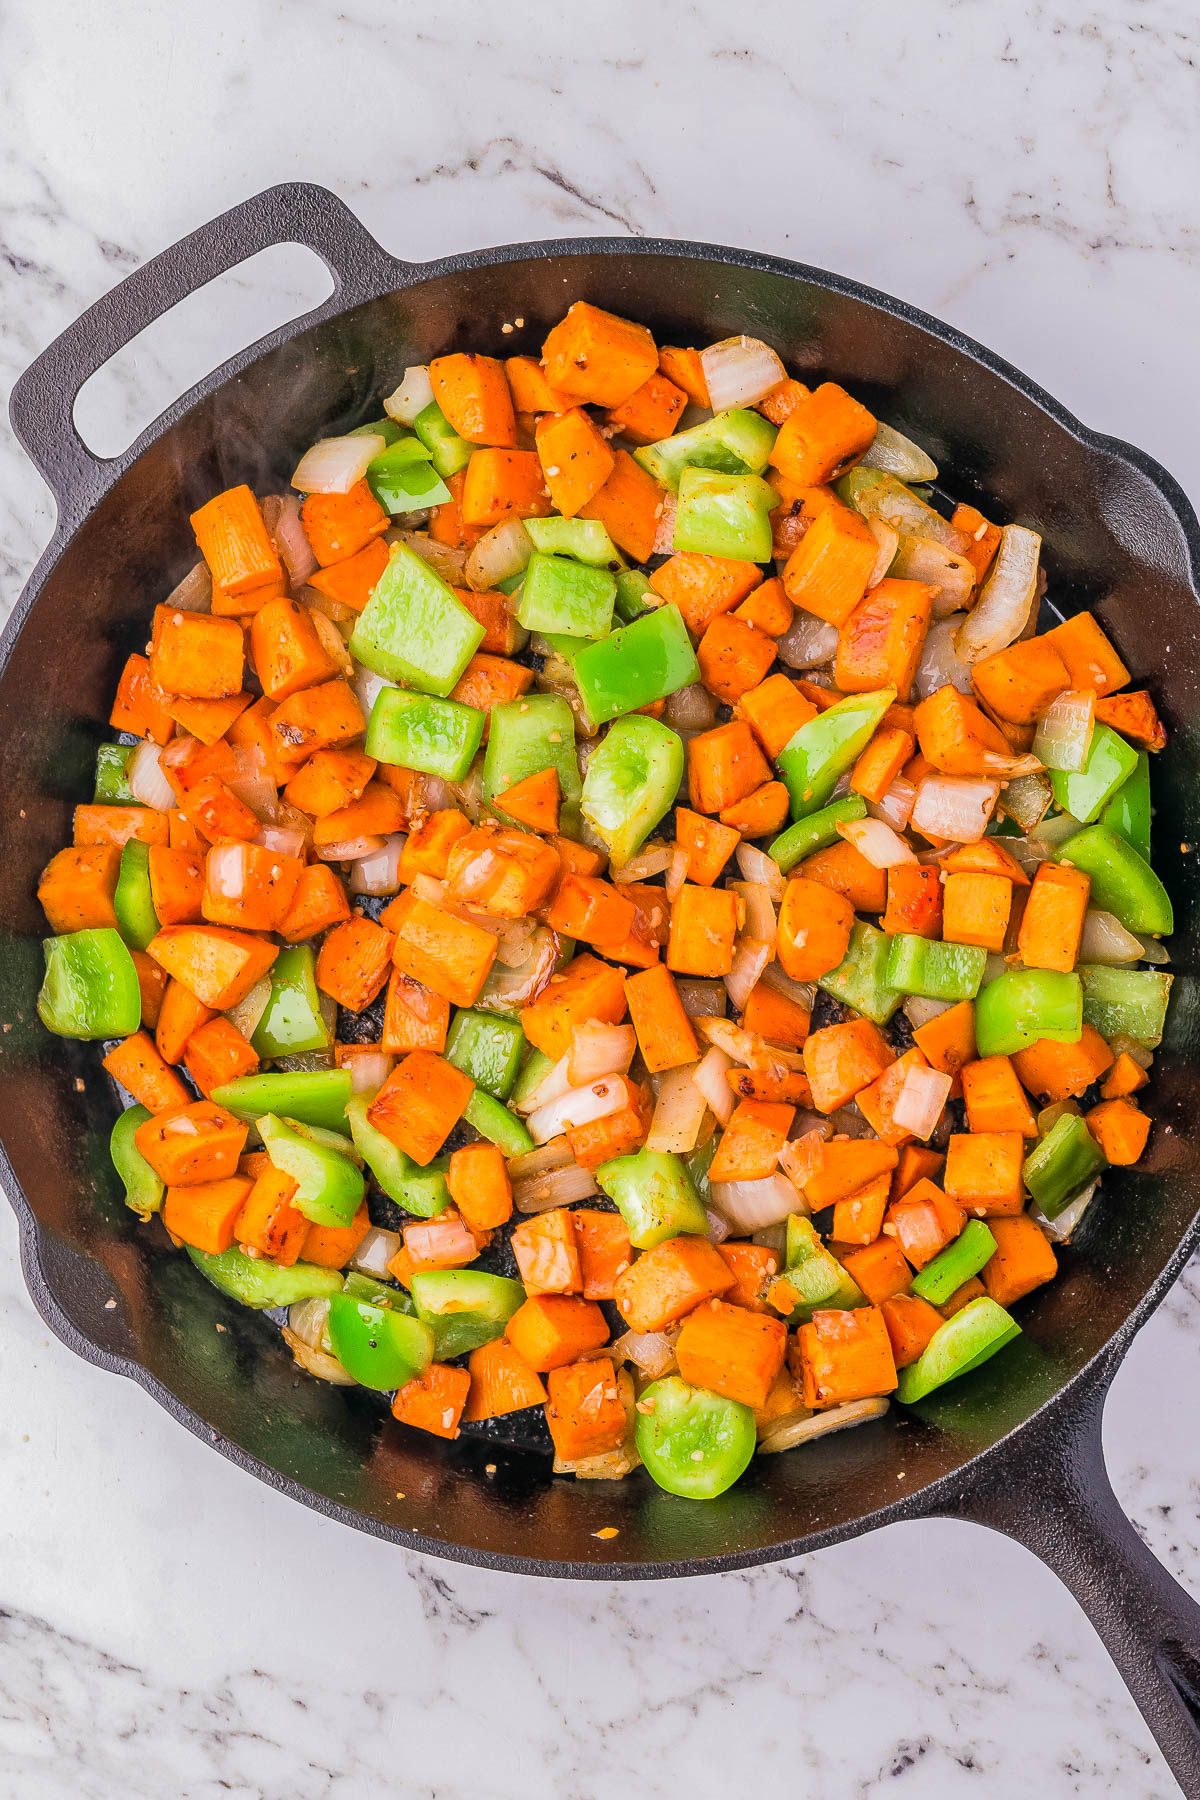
(624, 797)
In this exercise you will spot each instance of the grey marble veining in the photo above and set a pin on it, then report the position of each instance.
(168, 1628)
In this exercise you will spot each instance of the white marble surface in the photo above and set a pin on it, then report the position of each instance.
(1028, 172)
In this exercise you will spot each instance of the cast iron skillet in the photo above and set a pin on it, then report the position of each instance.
(1016, 1447)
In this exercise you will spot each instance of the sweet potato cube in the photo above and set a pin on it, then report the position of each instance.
(1088, 654)
(501, 1382)
(445, 953)
(196, 655)
(668, 1281)
(1021, 1261)
(192, 1144)
(547, 1253)
(923, 1222)
(983, 1172)
(754, 1267)
(77, 886)
(204, 1214)
(414, 1017)
(420, 1103)
(434, 1400)
(841, 1059)
(845, 1356)
(268, 1222)
(332, 1246)
(1052, 922)
(775, 710)
(586, 989)
(354, 961)
(827, 572)
(217, 965)
(911, 1323)
(975, 910)
(751, 1142)
(732, 1351)
(879, 1268)
(704, 924)
(725, 765)
(1056, 1071)
(552, 1330)
(599, 357)
(995, 1099)
(702, 587)
(1120, 1128)
(585, 1412)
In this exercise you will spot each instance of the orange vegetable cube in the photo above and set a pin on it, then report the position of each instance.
(914, 901)
(1088, 654)
(434, 1400)
(585, 1411)
(1052, 923)
(814, 929)
(500, 870)
(192, 1144)
(420, 1103)
(501, 1382)
(473, 393)
(775, 1017)
(760, 814)
(629, 506)
(140, 707)
(117, 825)
(140, 1068)
(602, 1240)
(702, 587)
(975, 910)
(414, 1017)
(205, 1213)
(947, 1042)
(828, 571)
(547, 1253)
(218, 965)
(880, 644)
(268, 1222)
(775, 710)
(844, 869)
(288, 654)
(217, 1052)
(1120, 1128)
(881, 1271)
(668, 1281)
(732, 1351)
(911, 1323)
(196, 654)
(445, 953)
(503, 484)
(332, 1246)
(734, 657)
(685, 369)
(983, 1171)
(1056, 1071)
(353, 580)
(859, 1218)
(995, 1099)
(1125, 1077)
(651, 411)
(840, 1060)
(725, 765)
(1019, 683)
(77, 886)
(751, 1142)
(924, 1222)
(1021, 1261)
(574, 460)
(480, 1187)
(600, 358)
(586, 989)
(353, 962)
(551, 1330)
(664, 1031)
(824, 433)
(318, 902)
(845, 1356)
(338, 526)
(234, 541)
(704, 924)
(709, 846)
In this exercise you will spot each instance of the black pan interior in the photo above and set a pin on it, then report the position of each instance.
(1116, 536)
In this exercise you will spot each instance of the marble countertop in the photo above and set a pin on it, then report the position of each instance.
(1027, 173)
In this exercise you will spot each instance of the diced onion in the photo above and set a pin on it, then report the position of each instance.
(1133, 1047)
(877, 842)
(500, 553)
(709, 1076)
(808, 641)
(1105, 940)
(690, 708)
(888, 539)
(559, 1187)
(796, 1430)
(718, 1225)
(514, 941)
(413, 395)
(147, 782)
(226, 871)
(284, 840)
(333, 465)
(505, 990)
(739, 371)
(598, 1050)
(750, 958)
(578, 1106)
(753, 1205)
(253, 783)
(664, 530)
(676, 875)
(376, 1252)
(194, 592)
(379, 873)
(652, 859)
(1064, 731)
(949, 571)
(350, 849)
(1006, 597)
(897, 455)
(369, 1068)
(801, 1158)
(332, 641)
(244, 1017)
(650, 1352)
(954, 806)
(1026, 800)
(367, 687)
(281, 515)
(446, 560)
(895, 809)
(940, 663)
(702, 999)
(1061, 1229)
(1055, 830)
(801, 993)
(756, 865)
(921, 1099)
(678, 1112)
(1152, 950)
(918, 1011)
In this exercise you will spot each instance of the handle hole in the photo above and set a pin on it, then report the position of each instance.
(128, 392)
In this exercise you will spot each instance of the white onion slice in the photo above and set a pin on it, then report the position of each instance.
(664, 531)
(756, 865)
(739, 371)
(897, 455)
(147, 782)
(919, 1011)
(244, 1017)
(369, 1068)
(281, 515)
(678, 1112)
(253, 783)
(332, 642)
(413, 395)
(1006, 597)
(226, 871)
(796, 1430)
(801, 1158)
(380, 872)
(284, 840)
(801, 993)
(1061, 1229)
(194, 592)
(376, 1252)
(718, 1225)
(921, 1099)
(895, 808)
(598, 1050)
(367, 687)
(949, 571)
(690, 708)
(709, 1076)
(350, 849)
(940, 663)
(652, 859)
(500, 553)
(650, 1352)
(888, 539)
(808, 641)
(877, 842)
(760, 911)
(676, 875)
(1105, 940)
(333, 465)
(579, 1106)
(558, 1187)
(954, 806)
(750, 958)
(753, 1205)
(554, 1084)
(446, 560)
(1152, 950)
(1064, 731)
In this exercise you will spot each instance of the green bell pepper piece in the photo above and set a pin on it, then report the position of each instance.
(421, 1191)
(380, 1347)
(1128, 1001)
(632, 589)
(448, 452)
(292, 1022)
(1065, 1161)
(466, 1308)
(414, 629)
(563, 595)
(377, 1293)
(1024, 1005)
(815, 1275)
(585, 539)
(693, 1442)
(1128, 812)
(403, 479)
(698, 1162)
(314, 1096)
(816, 757)
(144, 1189)
(329, 1187)
(493, 1120)
(112, 783)
(537, 732)
(488, 1048)
(935, 970)
(816, 832)
(257, 1282)
(636, 665)
(735, 441)
(947, 1271)
(654, 1195)
(534, 1070)
(1110, 763)
(861, 978)
(133, 902)
(724, 515)
(632, 780)
(418, 731)
(974, 1334)
(91, 987)
(1123, 883)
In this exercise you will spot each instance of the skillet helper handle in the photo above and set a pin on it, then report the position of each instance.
(1057, 1500)
(43, 401)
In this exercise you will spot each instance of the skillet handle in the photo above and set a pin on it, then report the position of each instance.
(42, 402)
(1057, 1500)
